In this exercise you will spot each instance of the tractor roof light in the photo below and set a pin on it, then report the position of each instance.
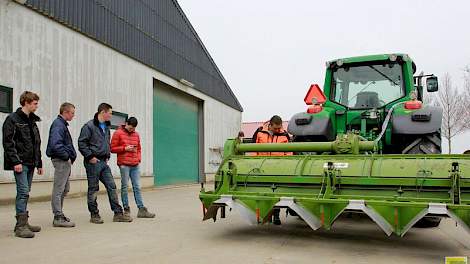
(393, 57)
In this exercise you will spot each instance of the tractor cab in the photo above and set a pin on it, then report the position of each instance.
(367, 86)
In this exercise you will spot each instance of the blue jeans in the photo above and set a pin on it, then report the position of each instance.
(95, 173)
(134, 173)
(23, 180)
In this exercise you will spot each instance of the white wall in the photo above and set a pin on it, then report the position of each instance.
(60, 65)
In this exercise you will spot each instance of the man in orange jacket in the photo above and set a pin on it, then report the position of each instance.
(272, 132)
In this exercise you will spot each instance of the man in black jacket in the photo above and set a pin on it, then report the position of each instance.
(62, 153)
(94, 144)
(22, 146)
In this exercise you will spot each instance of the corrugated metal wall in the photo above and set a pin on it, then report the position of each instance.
(156, 33)
(59, 64)
(39, 54)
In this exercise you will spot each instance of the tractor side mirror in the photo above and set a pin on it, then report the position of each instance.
(432, 85)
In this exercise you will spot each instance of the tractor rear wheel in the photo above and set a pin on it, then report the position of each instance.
(426, 144)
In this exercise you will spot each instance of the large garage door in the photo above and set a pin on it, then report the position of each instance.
(175, 135)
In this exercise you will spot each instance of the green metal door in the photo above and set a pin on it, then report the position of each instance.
(175, 136)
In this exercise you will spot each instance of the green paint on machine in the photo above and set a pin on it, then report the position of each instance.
(369, 146)
(391, 189)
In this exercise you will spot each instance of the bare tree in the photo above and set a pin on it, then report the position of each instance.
(454, 106)
(466, 78)
(466, 85)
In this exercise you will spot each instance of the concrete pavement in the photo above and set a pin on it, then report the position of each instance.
(177, 235)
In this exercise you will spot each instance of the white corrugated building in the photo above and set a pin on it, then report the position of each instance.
(142, 57)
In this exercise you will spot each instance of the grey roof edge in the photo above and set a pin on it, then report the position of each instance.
(186, 20)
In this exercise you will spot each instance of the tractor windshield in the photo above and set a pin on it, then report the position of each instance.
(367, 86)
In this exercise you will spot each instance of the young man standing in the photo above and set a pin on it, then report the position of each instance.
(272, 132)
(62, 153)
(22, 146)
(126, 143)
(93, 143)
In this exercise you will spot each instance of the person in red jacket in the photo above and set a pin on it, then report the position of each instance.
(126, 144)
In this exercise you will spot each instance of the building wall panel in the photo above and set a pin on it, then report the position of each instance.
(60, 64)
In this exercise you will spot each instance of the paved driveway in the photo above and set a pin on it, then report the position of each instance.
(177, 235)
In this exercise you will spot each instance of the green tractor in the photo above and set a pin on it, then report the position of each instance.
(366, 144)
(377, 98)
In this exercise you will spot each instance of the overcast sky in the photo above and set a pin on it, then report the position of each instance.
(271, 51)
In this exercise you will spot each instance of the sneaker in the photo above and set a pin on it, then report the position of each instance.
(144, 213)
(62, 221)
(96, 219)
(120, 217)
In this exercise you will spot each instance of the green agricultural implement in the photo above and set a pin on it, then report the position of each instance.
(365, 144)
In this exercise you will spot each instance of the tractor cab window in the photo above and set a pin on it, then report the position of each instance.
(367, 86)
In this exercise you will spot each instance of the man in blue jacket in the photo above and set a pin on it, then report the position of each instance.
(62, 153)
(94, 144)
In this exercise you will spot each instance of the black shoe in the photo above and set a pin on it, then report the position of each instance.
(276, 218)
(127, 211)
(96, 219)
